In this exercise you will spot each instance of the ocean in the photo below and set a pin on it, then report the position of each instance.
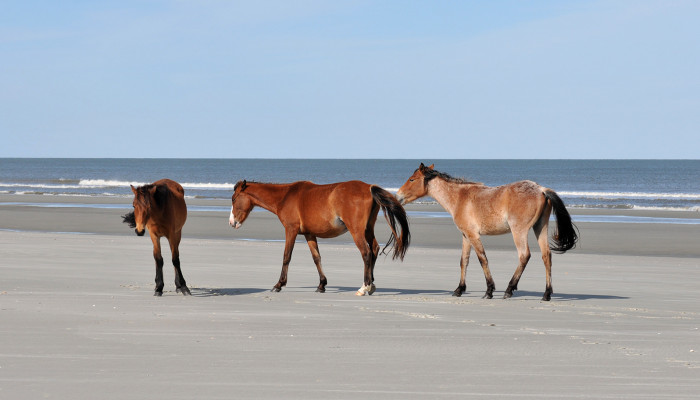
(593, 184)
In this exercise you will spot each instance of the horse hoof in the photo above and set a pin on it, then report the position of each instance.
(456, 294)
(184, 290)
(275, 289)
(487, 296)
(372, 289)
(507, 295)
(321, 290)
(158, 294)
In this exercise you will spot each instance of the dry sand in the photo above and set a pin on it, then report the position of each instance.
(78, 319)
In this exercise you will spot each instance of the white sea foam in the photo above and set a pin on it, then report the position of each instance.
(210, 186)
(105, 183)
(102, 183)
(38, 186)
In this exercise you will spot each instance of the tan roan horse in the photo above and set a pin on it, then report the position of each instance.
(325, 211)
(482, 210)
(160, 207)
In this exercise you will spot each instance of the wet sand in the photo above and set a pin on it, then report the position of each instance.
(79, 320)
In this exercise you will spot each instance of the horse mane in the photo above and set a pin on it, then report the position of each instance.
(160, 196)
(129, 219)
(431, 174)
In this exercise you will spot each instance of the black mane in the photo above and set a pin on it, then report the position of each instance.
(130, 219)
(431, 174)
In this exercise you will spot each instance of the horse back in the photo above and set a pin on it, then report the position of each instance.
(327, 210)
(498, 210)
(332, 196)
(170, 197)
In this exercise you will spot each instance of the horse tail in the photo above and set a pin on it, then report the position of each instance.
(393, 212)
(566, 235)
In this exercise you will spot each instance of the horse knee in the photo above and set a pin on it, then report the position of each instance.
(524, 258)
(547, 258)
(159, 260)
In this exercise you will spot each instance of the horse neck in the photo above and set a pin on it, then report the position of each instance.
(267, 195)
(155, 213)
(446, 193)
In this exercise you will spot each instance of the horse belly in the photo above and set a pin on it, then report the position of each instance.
(495, 228)
(325, 229)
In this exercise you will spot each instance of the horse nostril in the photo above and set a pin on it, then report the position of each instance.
(139, 233)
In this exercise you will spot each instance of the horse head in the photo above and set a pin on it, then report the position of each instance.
(241, 205)
(416, 186)
(143, 198)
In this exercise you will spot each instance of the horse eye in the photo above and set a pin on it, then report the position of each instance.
(411, 180)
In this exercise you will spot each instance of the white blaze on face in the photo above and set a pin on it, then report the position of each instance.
(232, 221)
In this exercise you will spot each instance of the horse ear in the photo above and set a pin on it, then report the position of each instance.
(431, 166)
(422, 167)
(245, 185)
(133, 189)
(153, 190)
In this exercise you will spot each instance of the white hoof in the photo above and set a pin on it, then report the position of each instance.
(366, 290)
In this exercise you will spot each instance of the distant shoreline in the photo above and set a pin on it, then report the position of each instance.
(654, 233)
(419, 210)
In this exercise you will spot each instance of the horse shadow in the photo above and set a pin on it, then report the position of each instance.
(213, 292)
(519, 294)
(565, 296)
(388, 291)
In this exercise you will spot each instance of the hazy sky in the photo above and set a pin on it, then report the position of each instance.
(350, 79)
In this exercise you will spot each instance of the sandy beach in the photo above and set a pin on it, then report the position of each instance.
(78, 319)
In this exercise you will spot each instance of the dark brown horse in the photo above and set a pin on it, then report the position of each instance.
(325, 211)
(160, 207)
(481, 210)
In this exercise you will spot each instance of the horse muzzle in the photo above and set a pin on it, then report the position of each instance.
(400, 197)
(139, 232)
(232, 221)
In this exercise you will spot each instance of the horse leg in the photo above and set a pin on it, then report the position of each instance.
(481, 254)
(370, 238)
(316, 255)
(159, 265)
(463, 263)
(520, 239)
(543, 241)
(375, 254)
(290, 236)
(180, 284)
(367, 255)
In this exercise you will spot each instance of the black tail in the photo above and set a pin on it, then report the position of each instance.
(566, 235)
(393, 212)
(129, 219)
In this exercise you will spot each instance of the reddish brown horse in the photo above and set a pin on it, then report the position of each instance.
(325, 211)
(160, 207)
(481, 210)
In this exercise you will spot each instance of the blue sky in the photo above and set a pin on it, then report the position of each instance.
(350, 79)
